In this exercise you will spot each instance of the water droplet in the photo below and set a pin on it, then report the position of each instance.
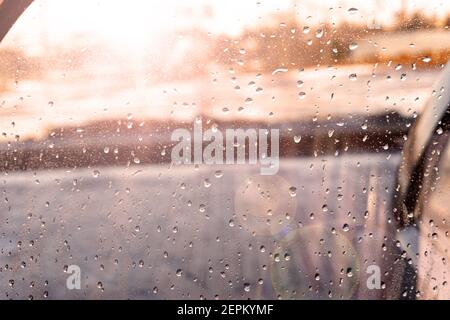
(319, 33)
(349, 272)
(353, 46)
(330, 133)
(276, 257)
(353, 77)
(293, 191)
(280, 70)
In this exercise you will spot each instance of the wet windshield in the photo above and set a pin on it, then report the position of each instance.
(210, 149)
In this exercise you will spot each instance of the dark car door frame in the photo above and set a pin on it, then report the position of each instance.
(408, 201)
(413, 164)
(10, 11)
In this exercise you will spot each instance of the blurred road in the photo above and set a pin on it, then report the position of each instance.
(180, 232)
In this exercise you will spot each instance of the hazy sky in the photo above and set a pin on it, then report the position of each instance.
(134, 22)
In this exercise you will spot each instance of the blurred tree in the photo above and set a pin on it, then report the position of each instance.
(416, 21)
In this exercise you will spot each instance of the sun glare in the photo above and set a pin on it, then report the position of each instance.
(138, 24)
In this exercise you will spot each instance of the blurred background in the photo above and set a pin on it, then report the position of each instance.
(90, 92)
